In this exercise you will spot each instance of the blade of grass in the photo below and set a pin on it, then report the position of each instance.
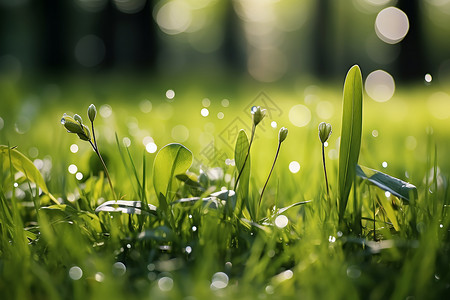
(350, 135)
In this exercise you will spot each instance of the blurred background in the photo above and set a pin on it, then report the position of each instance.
(267, 40)
(189, 71)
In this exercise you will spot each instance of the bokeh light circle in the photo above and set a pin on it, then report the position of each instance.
(299, 115)
(380, 86)
(391, 25)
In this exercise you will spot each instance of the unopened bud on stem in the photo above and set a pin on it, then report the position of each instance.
(92, 112)
(258, 115)
(282, 134)
(324, 131)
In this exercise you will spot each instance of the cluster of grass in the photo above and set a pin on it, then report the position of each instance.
(182, 231)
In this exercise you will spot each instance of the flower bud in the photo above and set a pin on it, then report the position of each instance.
(78, 119)
(258, 114)
(282, 134)
(92, 112)
(70, 124)
(85, 135)
(74, 125)
(324, 131)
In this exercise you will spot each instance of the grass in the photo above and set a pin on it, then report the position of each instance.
(200, 252)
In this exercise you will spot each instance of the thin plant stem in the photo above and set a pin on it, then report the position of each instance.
(93, 134)
(246, 157)
(270, 173)
(325, 170)
(104, 167)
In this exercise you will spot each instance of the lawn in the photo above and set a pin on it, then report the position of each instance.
(384, 247)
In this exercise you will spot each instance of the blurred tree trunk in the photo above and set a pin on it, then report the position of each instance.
(232, 53)
(54, 35)
(321, 39)
(412, 63)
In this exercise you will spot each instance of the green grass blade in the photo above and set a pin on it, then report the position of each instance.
(240, 152)
(171, 160)
(350, 135)
(395, 186)
(21, 163)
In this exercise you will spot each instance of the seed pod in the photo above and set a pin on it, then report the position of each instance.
(282, 134)
(92, 112)
(324, 131)
(258, 115)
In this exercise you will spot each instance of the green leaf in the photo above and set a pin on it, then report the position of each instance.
(390, 213)
(21, 163)
(350, 135)
(126, 207)
(171, 160)
(399, 188)
(240, 152)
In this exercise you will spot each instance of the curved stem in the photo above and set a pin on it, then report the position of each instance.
(104, 167)
(325, 170)
(246, 157)
(270, 173)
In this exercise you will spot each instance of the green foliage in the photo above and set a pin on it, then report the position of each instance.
(242, 160)
(92, 248)
(399, 188)
(350, 135)
(21, 163)
(171, 160)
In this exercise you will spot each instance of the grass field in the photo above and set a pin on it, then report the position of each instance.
(195, 250)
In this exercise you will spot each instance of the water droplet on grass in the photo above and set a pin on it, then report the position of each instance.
(74, 148)
(204, 112)
(151, 147)
(219, 281)
(119, 269)
(281, 221)
(72, 169)
(206, 102)
(170, 94)
(294, 167)
(75, 273)
(165, 284)
(99, 277)
(79, 176)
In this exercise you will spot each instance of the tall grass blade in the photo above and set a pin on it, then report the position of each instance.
(350, 135)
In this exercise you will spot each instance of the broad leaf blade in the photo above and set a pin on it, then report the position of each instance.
(395, 186)
(240, 153)
(171, 160)
(21, 163)
(350, 135)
